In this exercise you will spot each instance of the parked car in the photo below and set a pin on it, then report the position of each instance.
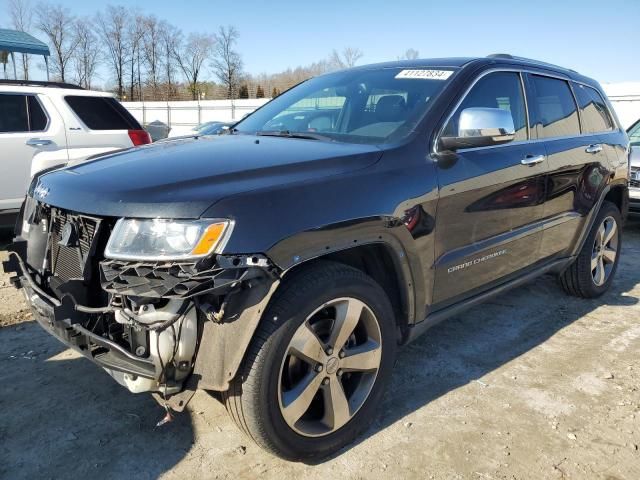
(157, 130)
(634, 173)
(285, 274)
(45, 125)
(207, 128)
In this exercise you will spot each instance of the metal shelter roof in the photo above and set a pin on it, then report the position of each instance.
(21, 42)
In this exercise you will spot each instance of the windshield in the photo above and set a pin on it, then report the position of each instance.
(355, 106)
(634, 134)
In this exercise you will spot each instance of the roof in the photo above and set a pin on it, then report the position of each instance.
(496, 59)
(34, 83)
(50, 89)
(15, 41)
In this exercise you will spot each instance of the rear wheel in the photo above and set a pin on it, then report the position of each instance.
(593, 270)
(318, 363)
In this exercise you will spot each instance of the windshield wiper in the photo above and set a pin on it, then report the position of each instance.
(290, 134)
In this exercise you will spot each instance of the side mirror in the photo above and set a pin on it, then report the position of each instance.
(481, 127)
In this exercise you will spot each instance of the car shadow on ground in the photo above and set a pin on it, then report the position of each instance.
(45, 392)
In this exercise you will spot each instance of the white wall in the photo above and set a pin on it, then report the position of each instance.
(625, 98)
(182, 115)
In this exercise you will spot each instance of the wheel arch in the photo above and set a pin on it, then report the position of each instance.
(618, 194)
(382, 262)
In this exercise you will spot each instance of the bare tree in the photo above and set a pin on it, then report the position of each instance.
(345, 59)
(227, 63)
(134, 42)
(151, 40)
(410, 54)
(170, 41)
(112, 25)
(57, 23)
(21, 13)
(192, 56)
(86, 55)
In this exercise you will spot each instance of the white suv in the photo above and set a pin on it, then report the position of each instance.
(44, 125)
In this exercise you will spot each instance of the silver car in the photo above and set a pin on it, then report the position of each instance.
(634, 177)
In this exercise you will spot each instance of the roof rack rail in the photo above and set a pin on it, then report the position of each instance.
(35, 83)
(508, 56)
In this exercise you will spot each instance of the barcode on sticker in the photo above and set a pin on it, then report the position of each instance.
(425, 74)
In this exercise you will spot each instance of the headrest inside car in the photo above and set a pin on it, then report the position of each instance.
(391, 108)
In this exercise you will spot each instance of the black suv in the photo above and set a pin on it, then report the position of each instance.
(282, 264)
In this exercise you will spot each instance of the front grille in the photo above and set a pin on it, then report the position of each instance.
(634, 183)
(68, 259)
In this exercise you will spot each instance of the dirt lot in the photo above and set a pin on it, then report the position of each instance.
(533, 385)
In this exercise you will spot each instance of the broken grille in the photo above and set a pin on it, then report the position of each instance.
(72, 237)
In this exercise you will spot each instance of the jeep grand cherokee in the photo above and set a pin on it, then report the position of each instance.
(283, 263)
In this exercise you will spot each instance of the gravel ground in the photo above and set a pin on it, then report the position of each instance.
(533, 385)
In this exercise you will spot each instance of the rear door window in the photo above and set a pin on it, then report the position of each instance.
(102, 113)
(555, 112)
(14, 117)
(37, 118)
(21, 113)
(497, 90)
(593, 110)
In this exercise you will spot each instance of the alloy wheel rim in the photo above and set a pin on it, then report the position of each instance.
(605, 251)
(329, 367)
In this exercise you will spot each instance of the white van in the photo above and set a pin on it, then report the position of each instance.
(45, 125)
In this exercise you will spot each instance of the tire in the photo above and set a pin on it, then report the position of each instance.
(580, 279)
(305, 302)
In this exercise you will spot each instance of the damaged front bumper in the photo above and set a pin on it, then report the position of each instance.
(223, 301)
(62, 319)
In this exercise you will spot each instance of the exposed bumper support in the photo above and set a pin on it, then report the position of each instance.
(246, 283)
(58, 318)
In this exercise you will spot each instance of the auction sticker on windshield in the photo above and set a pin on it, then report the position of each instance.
(425, 74)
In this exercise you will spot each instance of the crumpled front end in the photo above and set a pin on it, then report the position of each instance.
(155, 326)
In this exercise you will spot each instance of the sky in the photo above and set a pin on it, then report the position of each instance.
(598, 38)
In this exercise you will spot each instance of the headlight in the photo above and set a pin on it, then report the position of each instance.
(158, 239)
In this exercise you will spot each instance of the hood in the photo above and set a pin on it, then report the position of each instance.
(181, 179)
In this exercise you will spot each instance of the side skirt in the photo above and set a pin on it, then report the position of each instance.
(435, 318)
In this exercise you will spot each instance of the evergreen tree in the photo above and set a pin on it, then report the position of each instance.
(259, 92)
(243, 92)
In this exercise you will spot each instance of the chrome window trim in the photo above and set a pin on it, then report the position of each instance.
(46, 114)
(520, 71)
(575, 102)
(526, 106)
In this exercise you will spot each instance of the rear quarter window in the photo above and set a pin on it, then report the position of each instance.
(102, 113)
(593, 109)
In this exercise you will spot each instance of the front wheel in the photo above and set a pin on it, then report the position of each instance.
(316, 368)
(592, 272)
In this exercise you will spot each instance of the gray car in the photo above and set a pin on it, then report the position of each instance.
(634, 177)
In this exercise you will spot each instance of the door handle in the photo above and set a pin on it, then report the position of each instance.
(531, 160)
(596, 148)
(38, 142)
